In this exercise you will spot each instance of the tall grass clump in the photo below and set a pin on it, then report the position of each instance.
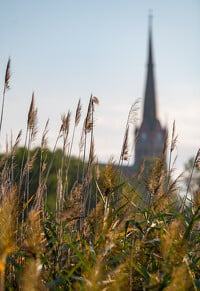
(73, 224)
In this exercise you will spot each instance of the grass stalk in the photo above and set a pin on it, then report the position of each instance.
(6, 87)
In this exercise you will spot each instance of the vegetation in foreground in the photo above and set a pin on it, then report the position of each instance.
(105, 233)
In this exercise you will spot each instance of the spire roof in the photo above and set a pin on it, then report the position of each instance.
(150, 110)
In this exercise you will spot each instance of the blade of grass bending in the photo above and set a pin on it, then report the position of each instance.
(81, 258)
(140, 270)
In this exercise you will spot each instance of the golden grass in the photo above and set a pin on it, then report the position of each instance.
(108, 232)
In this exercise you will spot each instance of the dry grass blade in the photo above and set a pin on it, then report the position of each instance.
(29, 164)
(82, 140)
(7, 75)
(124, 153)
(132, 119)
(44, 136)
(95, 100)
(32, 120)
(65, 123)
(92, 155)
(76, 122)
(133, 113)
(31, 113)
(174, 137)
(172, 147)
(78, 113)
(165, 145)
(88, 121)
(91, 161)
(17, 141)
(6, 87)
(43, 165)
(197, 160)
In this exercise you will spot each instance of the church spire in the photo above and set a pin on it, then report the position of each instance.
(150, 110)
(150, 136)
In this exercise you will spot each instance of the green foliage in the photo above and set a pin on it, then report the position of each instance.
(134, 246)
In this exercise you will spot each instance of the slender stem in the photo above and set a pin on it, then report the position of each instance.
(70, 150)
(83, 161)
(189, 182)
(2, 107)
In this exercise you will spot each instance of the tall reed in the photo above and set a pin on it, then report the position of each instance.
(143, 240)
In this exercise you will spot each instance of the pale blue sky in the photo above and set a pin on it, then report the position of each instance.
(64, 50)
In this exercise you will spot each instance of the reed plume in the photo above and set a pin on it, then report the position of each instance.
(131, 121)
(42, 168)
(88, 127)
(78, 113)
(32, 119)
(76, 122)
(124, 152)
(174, 138)
(6, 87)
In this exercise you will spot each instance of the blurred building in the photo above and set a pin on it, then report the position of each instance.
(149, 136)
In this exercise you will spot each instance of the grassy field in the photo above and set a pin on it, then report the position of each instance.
(107, 232)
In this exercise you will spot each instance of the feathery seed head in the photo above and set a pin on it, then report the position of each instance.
(78, 113)
(32, 114)
(197, 160)
(124, 153)
(133, 113)
(44, 136)
(95, 100)
(174, 137)
(65, 123)
(7, 75)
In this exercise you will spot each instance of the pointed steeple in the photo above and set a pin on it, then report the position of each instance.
(150, 110)
(149, 136)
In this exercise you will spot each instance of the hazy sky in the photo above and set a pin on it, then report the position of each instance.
(64, 50)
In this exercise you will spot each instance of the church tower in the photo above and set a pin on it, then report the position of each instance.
(150, 136)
